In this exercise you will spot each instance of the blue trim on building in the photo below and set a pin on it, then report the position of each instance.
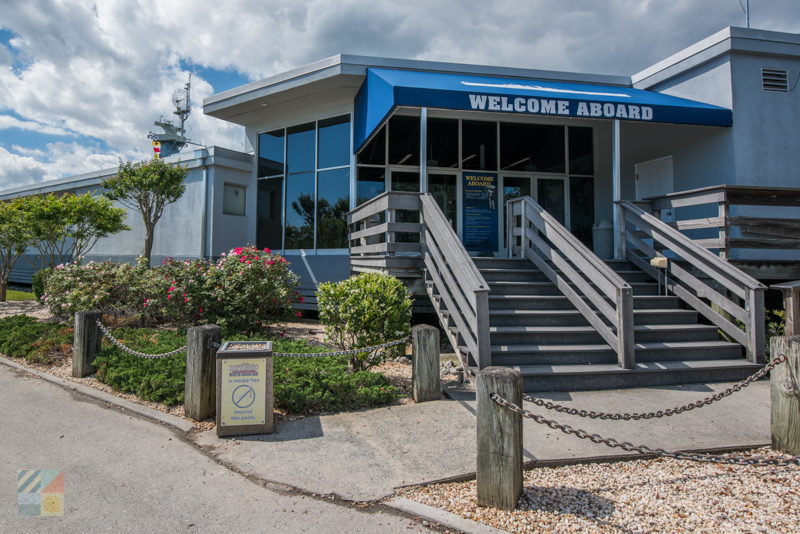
(385, 89)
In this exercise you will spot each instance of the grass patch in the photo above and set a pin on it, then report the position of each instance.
(302, 385)
(14, 295)
(37, 342)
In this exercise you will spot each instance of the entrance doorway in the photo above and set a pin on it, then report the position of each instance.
(550, 192)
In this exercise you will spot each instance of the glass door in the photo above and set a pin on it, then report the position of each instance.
(444, 188)
(549, 191)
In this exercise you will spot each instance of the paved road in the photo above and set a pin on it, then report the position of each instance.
(124, 474)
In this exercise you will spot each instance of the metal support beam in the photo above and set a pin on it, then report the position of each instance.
(423, 150)
(616, 179)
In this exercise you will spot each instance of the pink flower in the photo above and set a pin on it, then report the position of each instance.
(171, 289)
(237, 251)
(248, 262)
(270, 262)
(185, 300)
(302, 299)
(169, 297)
(200, 310)
(299, 314)
(267, 250)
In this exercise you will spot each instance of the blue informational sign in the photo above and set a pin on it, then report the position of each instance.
(480, 212)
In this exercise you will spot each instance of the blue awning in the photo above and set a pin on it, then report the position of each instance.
(385, 89)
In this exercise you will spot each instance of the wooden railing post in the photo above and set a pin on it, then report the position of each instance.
(785, 396)
(200, 389)
(626, 347)
(484, 356)
(724, 253)
(791, 307)
(755, 327)
(425, 381)
(510, 229)
(499, 465)
(85, 343)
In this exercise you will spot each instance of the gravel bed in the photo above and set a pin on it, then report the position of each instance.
(660, 495)
(24, 307)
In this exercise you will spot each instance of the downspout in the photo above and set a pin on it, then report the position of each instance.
(204, 237)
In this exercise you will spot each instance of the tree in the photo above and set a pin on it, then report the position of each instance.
(147, 187)
(14, 239)
(69, 225)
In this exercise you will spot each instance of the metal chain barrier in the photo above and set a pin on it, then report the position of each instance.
(659, 413)
(337, 352)
(129, 350)
(642, 449)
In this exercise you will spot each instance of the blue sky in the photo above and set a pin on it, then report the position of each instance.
(81, 83)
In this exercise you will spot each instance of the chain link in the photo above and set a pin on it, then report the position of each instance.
(642, 449)
(129, 350)
(659, 413)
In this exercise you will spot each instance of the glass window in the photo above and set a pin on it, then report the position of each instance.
(532, 147)
(551, 197)
(581, 199)
(268, 213)
(270, 153)
(375, 151)
(333, 203)
(371, 183)
(404, 140)
(233, 199)
(581, 158)
(479, 150)
(405, 181)
(443, 189)
(442, 143)
(334, 142)
(300, 149)
(300, 210)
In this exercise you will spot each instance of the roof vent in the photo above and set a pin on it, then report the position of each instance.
(775, 80)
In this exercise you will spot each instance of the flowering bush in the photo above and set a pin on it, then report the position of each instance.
(181, 291)
(364, 310)
(107, 287)
(248, 288)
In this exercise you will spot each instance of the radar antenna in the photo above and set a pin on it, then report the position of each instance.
(173, 138)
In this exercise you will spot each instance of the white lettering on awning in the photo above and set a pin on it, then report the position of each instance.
(546, 106)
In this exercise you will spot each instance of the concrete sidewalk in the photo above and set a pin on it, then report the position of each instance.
(365, 455)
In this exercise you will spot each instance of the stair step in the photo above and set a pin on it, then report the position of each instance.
(531, 274)
(611, 376)
(548, 288)
(513, 317)
(573, 354)
(509, 335)
(560, 302)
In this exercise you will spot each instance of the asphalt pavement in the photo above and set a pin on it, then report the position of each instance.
(126, 474)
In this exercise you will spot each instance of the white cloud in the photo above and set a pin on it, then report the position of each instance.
(108, 70)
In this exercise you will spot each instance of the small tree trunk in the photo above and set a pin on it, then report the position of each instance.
(148, 243)
(3, 286)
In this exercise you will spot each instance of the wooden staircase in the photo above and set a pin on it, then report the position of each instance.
(534, 328)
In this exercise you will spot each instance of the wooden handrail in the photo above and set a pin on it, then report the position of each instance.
(691, 289)
(457, 281)
(543, 238)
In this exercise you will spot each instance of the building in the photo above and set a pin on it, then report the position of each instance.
(706, 138)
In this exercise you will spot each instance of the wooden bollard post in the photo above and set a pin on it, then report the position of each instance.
(785, 395)
(85, 343)
(426, 384)
(200, 395)
(499, 470)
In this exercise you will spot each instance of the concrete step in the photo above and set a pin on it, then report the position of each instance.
(611, 376)
(560, 302)
(512, 317)
(574, 354)
(549, 335)
(547, 288)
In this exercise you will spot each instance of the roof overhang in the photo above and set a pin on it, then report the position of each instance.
(386, 89)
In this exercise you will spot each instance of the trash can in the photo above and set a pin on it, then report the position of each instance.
(603, 233)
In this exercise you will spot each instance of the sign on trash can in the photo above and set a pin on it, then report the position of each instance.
(244, 388)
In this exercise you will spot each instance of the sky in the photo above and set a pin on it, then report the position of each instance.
(81, 83)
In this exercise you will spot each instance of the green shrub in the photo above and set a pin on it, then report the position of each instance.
(38, 281)
(302, 385)
(25, 337)
(160, 380)
(364, 310)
